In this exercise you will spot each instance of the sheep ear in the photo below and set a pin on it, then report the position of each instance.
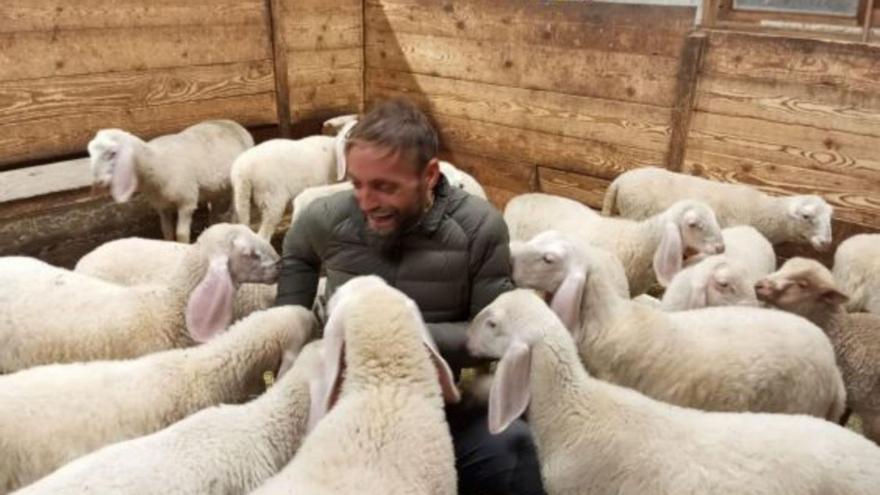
(444, 373)
(698, 297)
(566, 302)
(325, 387)
(667, 258)
(209, 309)
(339, 145)
(123, 181)
(287, 360)
(509, 396)
(834, 297)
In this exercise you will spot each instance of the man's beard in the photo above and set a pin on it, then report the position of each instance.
(388, 242)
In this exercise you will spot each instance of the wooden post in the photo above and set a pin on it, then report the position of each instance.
(869, 21)
(710, 13)
(685, 93)
(279, 57)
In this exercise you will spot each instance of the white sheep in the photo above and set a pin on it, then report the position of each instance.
(272, 173)
(455, 177)
(174, 172)
(857, 271)
(50, 415)
(137, 261)
(718, 280)
(527, 215)
(332, 126)
(744, 244)
(720, 359)
(651, 250)
(386, 431)
(596, 437)
(49, 315)
(807, 288)
(646, 191)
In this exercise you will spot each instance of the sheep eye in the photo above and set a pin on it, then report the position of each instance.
(802, 284)
(547, 259)
(491, 324)
(111, 155)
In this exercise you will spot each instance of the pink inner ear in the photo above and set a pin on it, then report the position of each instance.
(566, 302)
(209, 310)
(444, 376)
(668, 257)
(123, 181)
(510, 393)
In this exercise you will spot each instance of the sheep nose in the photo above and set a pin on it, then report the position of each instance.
(764, 289)
(719, 248)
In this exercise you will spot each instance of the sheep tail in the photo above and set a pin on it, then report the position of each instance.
(610, 199)
(241, 191)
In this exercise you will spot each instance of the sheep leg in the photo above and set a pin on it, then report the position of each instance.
(184, 222)
(166, 220)
(270, 218)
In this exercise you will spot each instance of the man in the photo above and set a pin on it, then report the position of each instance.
(445, 249)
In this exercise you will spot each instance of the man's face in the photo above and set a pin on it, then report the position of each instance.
(388, 187)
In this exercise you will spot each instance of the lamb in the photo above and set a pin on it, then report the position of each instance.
(50, 415)
(454, 176)
(527, 215)
(272, 173)
(49, 315)
(748, 247)
(807, 288)
(643, 192)
(174, 172)
(136, 261)
(857, 272)
(386, 419)
(718, 280)
(717, 359)
(651, 250)
(596, 437)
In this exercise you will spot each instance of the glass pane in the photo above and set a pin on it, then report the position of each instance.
(833, 7)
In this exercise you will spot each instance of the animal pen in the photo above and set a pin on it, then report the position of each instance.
(553, 96)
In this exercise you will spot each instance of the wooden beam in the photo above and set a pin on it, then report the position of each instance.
(279, 55)
(685, 91)
(869, 21)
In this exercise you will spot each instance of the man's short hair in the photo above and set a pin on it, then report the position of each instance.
(400, 126)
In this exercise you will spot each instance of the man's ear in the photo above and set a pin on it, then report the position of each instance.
(432, 172)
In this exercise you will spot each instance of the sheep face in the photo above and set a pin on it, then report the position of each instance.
(800, 286)
(723, 282)
(251, 259)
(698, 227)
(542, 262)
(811, 217)
(112, 163)
(512, 317)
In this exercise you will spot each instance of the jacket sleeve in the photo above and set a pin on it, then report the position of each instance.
(301, 259)
(490, 263)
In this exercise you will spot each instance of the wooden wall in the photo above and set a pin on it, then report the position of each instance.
(325, 57)
(791, 116)
(552, 96)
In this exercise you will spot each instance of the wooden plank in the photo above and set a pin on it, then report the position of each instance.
(685, 90)
(314, 61)
(624, 123)
(594, 15)
(54, 97)
(855, 200)
(306, 77)
(340, 26)
(851, 66)
(509, 143)
(69, 134)
(50, 15)
(534, 23)
(90, 51)
(311, 101)
(579, 187)
(501, 179)
(786, 144)
(868, 23)
(30, 182)
(274, 15)
(618, 76)
(791, 103)
(325, 82)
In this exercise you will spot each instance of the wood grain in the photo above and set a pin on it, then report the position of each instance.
(685, 91)
(40, 54)
(618, 76)
(501, 179)
(615, 122)
(49, 137)
(579, 187)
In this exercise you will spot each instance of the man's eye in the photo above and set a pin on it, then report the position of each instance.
(387, 188)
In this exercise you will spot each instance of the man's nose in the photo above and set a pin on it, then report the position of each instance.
(367, 200)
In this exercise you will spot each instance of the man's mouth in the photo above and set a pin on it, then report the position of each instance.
(381, 218)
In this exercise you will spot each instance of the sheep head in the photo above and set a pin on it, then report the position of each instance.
(811, 220)
(801, 286)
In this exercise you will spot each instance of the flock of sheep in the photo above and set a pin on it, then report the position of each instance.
(143, 370)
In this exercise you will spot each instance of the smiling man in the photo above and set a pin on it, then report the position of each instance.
(445, 249)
